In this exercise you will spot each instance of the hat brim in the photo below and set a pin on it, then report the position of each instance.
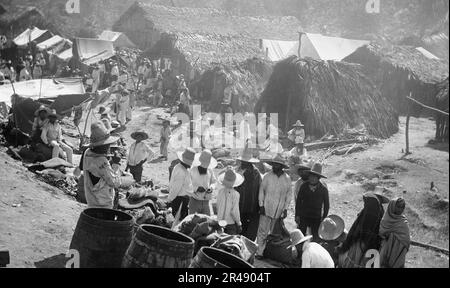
(110, 140)
(251, 160)
(185, 161)
(212, 165)
(238, 182)
(304, 239)
(143, 135)
(271, 162)
(329, 236)
(317, 174)
(125, 203)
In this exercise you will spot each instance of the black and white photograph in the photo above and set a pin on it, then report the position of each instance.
(247, 136)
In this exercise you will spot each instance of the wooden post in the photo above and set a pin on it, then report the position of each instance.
(408, 118)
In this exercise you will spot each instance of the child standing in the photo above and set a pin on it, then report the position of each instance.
(165, 138)
(228, 201)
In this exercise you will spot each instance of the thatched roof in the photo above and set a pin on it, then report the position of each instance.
(246, 79)
(212, 21)
(213, 48)
(18, 13)
(407, 58)
(327, 96)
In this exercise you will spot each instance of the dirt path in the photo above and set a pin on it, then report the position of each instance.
(38, 231)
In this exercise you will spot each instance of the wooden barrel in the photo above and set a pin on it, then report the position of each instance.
(102, 237)
(159, 247)
(209, 257)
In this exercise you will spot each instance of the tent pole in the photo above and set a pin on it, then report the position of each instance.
(408, 118)
(85, 126)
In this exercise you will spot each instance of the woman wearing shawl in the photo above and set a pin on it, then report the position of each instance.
(363, 235)
(394, 232)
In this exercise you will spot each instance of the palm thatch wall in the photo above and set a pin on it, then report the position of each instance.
(245, 79)
(328, 97)
(442, 103)
(401, 71)
(14, 22)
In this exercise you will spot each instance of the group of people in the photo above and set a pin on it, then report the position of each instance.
(28, 68)
(47, 133)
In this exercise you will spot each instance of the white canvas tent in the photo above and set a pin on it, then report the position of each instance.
(50, 88)
(314, 46)
(54, 42)
(91, 51)
(65, 55)
(31, 35)
(119, 39)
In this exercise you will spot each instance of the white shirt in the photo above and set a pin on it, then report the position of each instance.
(180, 183)
(315, 256)
(275, 194)
(138, 153)
(204, 181)
(228, 206)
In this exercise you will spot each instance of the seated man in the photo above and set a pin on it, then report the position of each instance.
(52, 136)
(40, 121)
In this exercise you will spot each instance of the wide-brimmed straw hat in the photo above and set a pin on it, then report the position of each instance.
(247, 156)
(139, 134)
(278, 159)
(298, 124)
(205, 160)
(52, 113)
(317, 170)
(100, 135)
(297, 237)
(230, 179)
(137, 199)
(42, 108)
(187, 157)
(331, 228)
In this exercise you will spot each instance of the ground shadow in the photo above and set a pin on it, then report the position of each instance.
(439, 146)
(57, 261)
(157, 161)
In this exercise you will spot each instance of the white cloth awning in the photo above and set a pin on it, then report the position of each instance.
(28, 36)
(314, 46)
(49, 43)
(50, 88)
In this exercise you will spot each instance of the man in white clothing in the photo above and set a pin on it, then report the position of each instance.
(312, 254)
(139, 154)
(180, 186)
(275, 195)
(52, 136)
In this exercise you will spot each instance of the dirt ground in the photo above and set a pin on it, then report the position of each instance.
(37, 221)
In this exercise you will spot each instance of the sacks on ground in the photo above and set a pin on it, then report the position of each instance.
(277, 249)
(192, 225)
(201, 228)
(239, 246)
(27, 154)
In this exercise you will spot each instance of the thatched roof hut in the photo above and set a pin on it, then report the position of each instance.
(15, 21)
(201, 35)
(401, 71)
(206, 40)
(328, 97)
(144, 23)
(241, 83)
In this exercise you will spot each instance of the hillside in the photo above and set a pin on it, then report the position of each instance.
(398, 19)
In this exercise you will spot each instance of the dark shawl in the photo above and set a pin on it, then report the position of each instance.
(249, 191)
(367, 225)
